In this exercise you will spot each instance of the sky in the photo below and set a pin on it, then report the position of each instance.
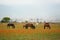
(42, 9)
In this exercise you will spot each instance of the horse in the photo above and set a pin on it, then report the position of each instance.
(47, 25)
(29, 25)
(12, 25)
(36, 24)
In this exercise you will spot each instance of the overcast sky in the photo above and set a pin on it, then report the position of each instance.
(43, 9)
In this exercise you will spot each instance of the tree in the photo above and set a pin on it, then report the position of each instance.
(5, 19)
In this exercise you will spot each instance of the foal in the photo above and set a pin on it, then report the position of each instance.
(47, 25)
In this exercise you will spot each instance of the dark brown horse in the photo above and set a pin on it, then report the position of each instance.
(29, 25)
(47, 25)
(12, 25)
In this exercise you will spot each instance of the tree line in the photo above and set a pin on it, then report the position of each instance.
(7, 19)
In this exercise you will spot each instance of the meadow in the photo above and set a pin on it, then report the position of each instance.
(20, 33)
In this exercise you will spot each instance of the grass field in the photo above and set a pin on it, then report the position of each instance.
(19, 33)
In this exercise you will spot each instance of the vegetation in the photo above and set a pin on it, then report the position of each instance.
(5, 19)
(19, 33)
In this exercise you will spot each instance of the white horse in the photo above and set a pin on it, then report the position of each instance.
(36, 24)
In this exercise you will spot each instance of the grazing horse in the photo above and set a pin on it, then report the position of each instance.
(47, 25)
(12, 25)
(29, 25)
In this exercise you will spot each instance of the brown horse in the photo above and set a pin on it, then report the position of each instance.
(47, 25)
(12, 25)
(29, 25)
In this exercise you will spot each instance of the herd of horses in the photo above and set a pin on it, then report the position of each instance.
(29, 25)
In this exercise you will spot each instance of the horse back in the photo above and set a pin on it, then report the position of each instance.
(10, 25)
(46, 24)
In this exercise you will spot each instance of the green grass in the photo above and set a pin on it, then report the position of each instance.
(45, 35)
(37, 36)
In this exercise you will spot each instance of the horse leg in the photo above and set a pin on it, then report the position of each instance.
(49, 27)
(44, 27)
(8, 26)
(23, 26)
(26, 27)
(33, 27)
(13, 26)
